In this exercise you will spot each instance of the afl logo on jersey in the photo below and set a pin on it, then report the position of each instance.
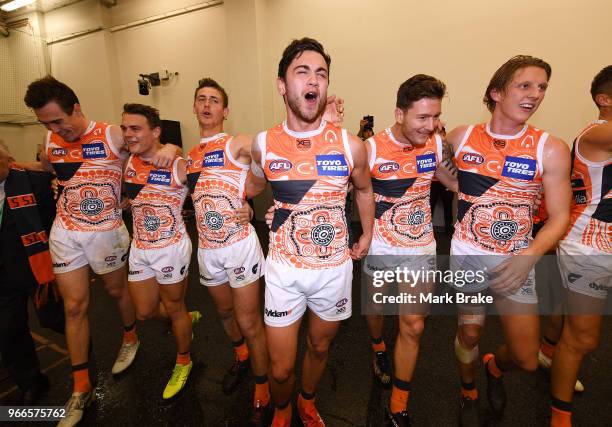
(95, 150)
(303, 144)
(473, 159)
(388, 167)
(59, 152)
(281, 165)
(519, 168)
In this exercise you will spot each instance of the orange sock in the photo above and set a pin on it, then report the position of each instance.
(81, 380)
(548, 349)
(242, 351)
(399, 400)
(469, 390)
(489, 360)
(262, 391)
(379, 346)
(282, 416)
(560, 418)
(183, 358)
(130, 336)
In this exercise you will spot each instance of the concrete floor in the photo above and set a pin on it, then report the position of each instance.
(347, 395)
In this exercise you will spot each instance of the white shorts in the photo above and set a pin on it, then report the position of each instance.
(382, 257)
(104, 251)
(168, 265)
(239, 264)
(289, 290)
(466, 257)
(584, 269)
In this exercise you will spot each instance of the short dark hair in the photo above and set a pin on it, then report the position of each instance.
(42, 91)
(419, 87)
(208, 82)
(602, 83)
(150, 113)
(295, 49)
(504, 74)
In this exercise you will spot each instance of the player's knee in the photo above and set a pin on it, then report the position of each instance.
(318, 347)
(115, 290)
(281, 373)
(145, 313)
(411, 329)
(225, 313)
(469, 335)
(74, 309)
(582, 342)
(526, 360)
(249, 325)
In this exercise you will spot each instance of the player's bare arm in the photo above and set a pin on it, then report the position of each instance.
(364, 196)
(446, 176)
(256, 180)
(596, 143)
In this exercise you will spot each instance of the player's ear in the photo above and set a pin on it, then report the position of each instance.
(399, 115)
(280, 86)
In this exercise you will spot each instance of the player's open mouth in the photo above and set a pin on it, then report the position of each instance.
(527, 106)
(311, 97)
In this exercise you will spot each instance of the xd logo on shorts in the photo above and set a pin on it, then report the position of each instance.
(426, 163)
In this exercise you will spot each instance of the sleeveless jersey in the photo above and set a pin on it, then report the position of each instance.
(499, 178)
(591, 217)
(157, 197)
(309, 173)
(401, 179)
(89, 179)
(217, 181)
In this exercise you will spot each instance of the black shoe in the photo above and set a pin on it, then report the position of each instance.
(468, 412)
(382, 368)
(32, 394)
(261, 415)
(401, 419)
(235, 375)
(496, 394)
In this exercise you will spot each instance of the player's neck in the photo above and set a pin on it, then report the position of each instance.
(396, 130)
(605, 113)
(502, 125)
(207, 132)
(296, 124)
(83, 126)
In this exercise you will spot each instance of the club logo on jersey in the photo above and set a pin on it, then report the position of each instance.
(519, 168)
(151, 223)
(500, 144)
(214, 159)
(280, 165)
(322, 234)
(213, 220)
(407, 148)
(389, 167)
(91, 206)
(95, 150)
(130, 173)
(426, 163)
(503, 230)
(473, 159)
(59, 152)
(331, 165)
(303, 144)
(579, 191)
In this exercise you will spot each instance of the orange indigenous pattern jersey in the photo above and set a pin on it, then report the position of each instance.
(157, 197)
(401, 179)
(591, 217)
(499, 178)
(309, 173)
(217, 181)
(89, 178)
